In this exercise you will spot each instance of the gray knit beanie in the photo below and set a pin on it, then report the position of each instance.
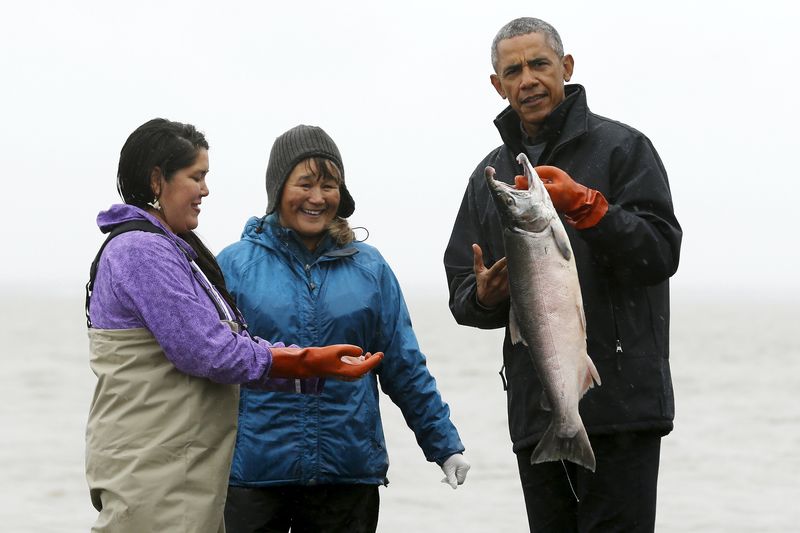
(294, 146)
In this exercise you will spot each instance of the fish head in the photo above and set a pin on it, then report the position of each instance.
(528, 209)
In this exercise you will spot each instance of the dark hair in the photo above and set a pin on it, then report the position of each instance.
(161, 143)
(324, 171)
(170, 146)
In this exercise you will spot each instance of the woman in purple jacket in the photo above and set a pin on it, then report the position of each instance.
(169, 348)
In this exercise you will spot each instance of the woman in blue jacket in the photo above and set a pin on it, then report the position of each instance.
(315, 463)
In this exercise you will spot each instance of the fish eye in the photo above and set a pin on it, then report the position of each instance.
(509, 201)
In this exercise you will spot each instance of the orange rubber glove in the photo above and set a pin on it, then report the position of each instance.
(335, 361)
(582, 207)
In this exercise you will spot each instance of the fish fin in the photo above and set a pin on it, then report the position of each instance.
(590, 376)
(576, 449)
(593, 376)
(562, 242)
(513, 328)
(582, 316)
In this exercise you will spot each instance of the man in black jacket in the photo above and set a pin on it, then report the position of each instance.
(614, 196)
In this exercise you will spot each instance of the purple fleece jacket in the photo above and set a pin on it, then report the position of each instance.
(145, 281)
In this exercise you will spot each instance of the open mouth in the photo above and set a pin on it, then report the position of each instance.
(312, 212)
(533, 99)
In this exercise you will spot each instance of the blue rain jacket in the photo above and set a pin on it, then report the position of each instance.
(336, 295)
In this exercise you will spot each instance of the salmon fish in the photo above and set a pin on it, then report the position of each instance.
(547, 312)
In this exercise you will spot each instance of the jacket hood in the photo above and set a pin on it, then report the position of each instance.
(268, 232)
(256, 230)
(120, 213)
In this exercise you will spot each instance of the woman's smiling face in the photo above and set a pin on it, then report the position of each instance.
(309, 201)
(180, 197)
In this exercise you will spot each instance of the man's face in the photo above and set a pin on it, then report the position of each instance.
(531, 76)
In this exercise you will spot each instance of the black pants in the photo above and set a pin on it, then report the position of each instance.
(318, 509)
(619, 496)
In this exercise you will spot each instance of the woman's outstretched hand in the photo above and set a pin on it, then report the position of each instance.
(334, 361)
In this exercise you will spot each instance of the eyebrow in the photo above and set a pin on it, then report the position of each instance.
(530, 62)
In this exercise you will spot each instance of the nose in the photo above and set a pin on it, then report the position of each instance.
(528, 77)
(204, 189)
(315, 195)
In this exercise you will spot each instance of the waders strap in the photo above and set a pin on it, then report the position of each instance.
(133, 225)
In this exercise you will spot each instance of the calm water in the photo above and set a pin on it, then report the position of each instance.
(732, 464)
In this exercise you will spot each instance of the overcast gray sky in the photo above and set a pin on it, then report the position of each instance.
(403, 88)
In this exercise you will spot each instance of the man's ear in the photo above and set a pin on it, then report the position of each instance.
(497, 85)
(568, 63)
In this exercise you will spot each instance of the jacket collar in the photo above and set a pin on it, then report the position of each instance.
(268, 232)
(567, 121)
(120, 213)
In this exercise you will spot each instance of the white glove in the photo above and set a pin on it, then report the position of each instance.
(455, 469)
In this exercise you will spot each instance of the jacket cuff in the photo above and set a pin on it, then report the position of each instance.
(590, 213)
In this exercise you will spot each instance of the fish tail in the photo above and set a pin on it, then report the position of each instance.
(575, 449)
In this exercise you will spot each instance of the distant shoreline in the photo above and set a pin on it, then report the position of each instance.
(430, 292)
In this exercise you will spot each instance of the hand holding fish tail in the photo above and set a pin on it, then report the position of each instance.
(582, 206)
(491, 283)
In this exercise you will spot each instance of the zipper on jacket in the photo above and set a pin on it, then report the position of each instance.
(309, 278)
(617, 338)
(618, 350)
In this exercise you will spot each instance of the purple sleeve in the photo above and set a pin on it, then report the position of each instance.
(144, 280)
(153, 281)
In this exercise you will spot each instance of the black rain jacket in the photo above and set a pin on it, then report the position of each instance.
(624, 263)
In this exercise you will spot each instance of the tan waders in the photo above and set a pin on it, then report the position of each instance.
(159, 442)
